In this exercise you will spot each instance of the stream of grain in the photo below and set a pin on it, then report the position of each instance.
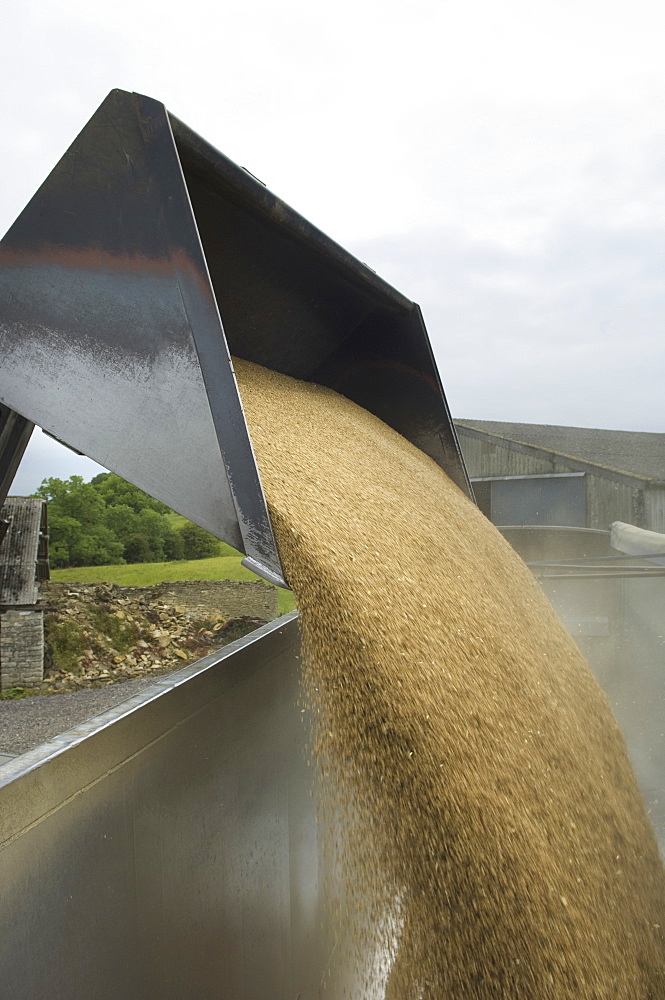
(497, 846)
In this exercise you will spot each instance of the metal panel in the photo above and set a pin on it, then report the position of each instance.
(295, 301)
(15, 432)
(549, 544)
(636, 688)
(169, 848)
(617, 621)
(654, 513)
(485, 457)
(19, 571)
(616, 614)
(110, 332)
(611, 500)
(111, 285)
(558, 499)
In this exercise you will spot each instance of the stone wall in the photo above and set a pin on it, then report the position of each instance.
(21, 648)
(217, 598)
(181, 605)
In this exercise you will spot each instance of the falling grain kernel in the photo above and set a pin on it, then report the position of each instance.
(450, 852)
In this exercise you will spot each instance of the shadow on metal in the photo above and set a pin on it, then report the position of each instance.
(143, 261)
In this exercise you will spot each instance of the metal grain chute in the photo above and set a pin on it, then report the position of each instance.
(146, 260)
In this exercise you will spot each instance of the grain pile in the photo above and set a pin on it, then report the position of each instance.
(497, 844)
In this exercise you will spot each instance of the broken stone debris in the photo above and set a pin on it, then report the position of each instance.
(99, 634)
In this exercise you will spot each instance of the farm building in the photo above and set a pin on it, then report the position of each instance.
(554, 492)
(581, 477)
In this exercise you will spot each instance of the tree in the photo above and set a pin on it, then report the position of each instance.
(198, 543)
(77, 533)
(156, 528)
(122, 520)
(65, 532)
(74, 498)
(97, 546)
(110, 521)
(118, 492)
(174, 546)
(137, 549)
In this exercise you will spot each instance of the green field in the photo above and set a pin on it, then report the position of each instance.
(225, 567)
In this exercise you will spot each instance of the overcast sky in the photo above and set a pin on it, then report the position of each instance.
(503, 164)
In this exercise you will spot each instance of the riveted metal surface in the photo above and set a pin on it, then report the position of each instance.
(169, 848)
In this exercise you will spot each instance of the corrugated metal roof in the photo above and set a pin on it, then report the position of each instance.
(636, 452)
(19, 550)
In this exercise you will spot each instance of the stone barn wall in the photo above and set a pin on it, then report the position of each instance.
(21, 648)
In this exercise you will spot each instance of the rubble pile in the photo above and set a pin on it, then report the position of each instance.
(99, 634)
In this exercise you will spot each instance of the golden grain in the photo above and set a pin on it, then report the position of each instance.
(495, 844)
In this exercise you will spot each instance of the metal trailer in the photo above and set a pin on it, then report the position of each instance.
(169, 848)
(612, 604)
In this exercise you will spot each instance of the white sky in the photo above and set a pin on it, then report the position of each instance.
(503, 164)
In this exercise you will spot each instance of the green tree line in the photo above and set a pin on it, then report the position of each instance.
(108, 521)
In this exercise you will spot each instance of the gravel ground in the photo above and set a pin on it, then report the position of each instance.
(27, 722)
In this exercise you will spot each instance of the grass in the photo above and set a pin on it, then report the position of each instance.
(123, 635)
(176, 520)
(13, 694)
(66, 641)
(224, 567)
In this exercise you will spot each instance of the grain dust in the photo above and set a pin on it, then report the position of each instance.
(497, 845)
